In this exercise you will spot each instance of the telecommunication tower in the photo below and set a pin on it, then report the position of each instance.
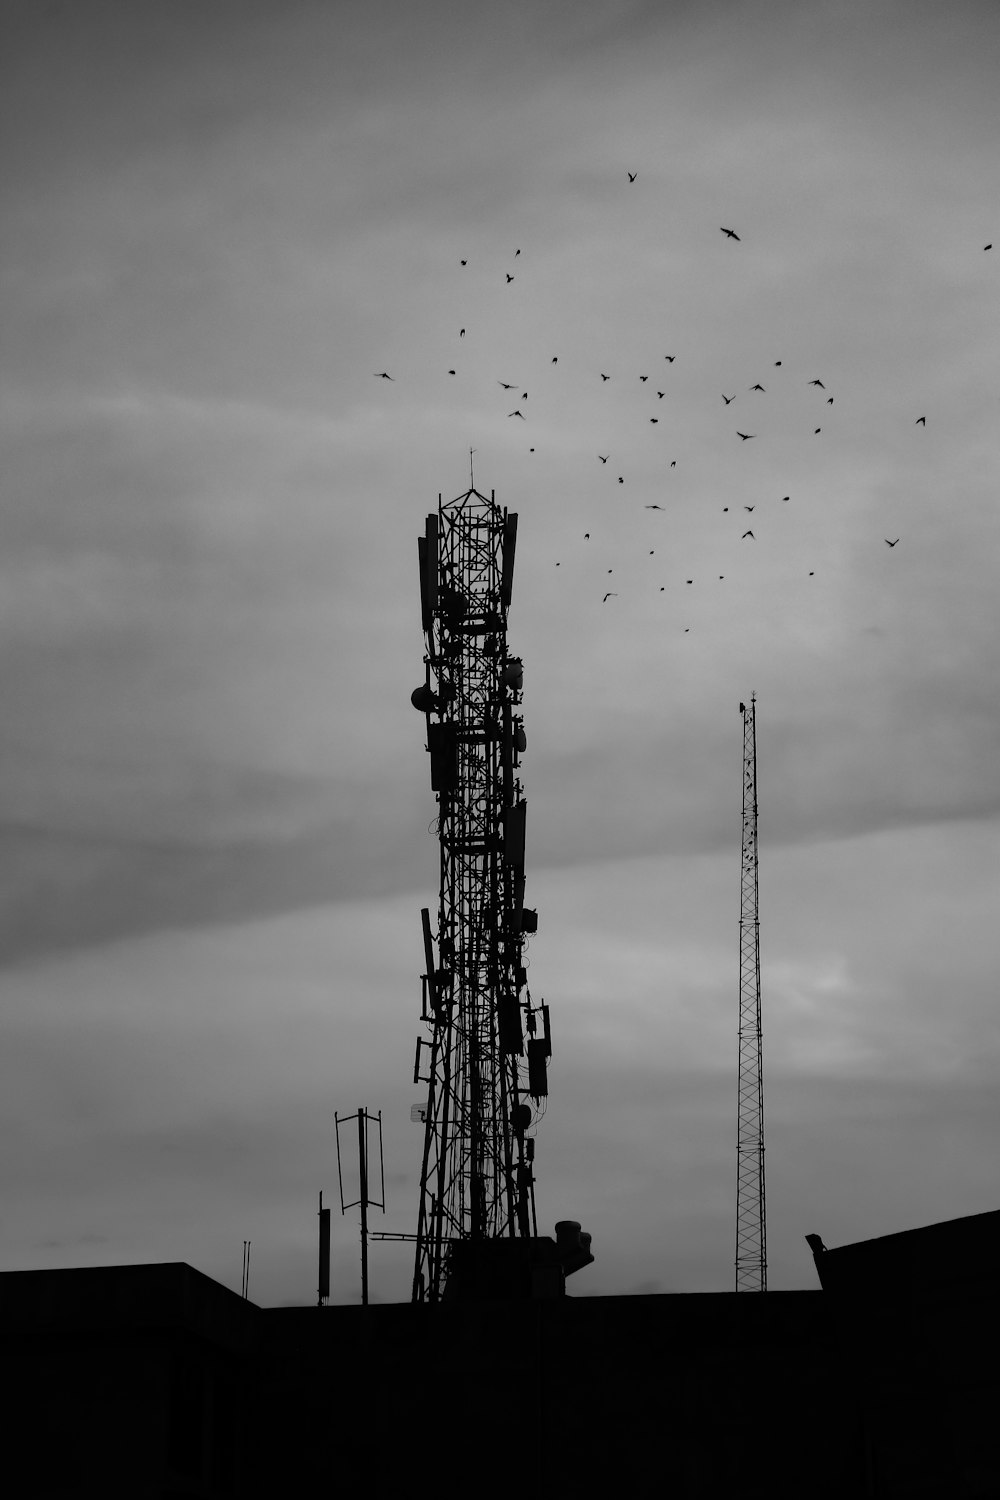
(485, 1046)
(751, 1225)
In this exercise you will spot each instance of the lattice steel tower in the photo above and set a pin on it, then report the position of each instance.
(751, 1225)
(476, 1182)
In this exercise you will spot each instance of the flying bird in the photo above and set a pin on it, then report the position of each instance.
(516, 414)
(654, 419)
(555, 359)
(777, 362)
(829, 400)
(620, 479)
(517, 252)
(661, 394)
(731, 233)
(383, 375)
(817, 382)
(786, 497)
(509, 277)
(652, 507)
(757, 387)
(673, 463)
(989, 246)
(890, 544)
(748, 534)
(816, 429)
(506, 385)
(604, 457)
(745, 435)
(451, 372)
(670, 358)
(605, 377)
(461, 333)
(919, 420)
(465, 263)
(631, 175)
(586, 536)
(748, 507)
(643, 377)
(728, 399)
(609, 595)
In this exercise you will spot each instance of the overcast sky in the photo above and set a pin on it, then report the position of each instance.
(221, 221)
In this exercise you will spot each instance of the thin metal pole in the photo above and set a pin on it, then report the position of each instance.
(363, 1165)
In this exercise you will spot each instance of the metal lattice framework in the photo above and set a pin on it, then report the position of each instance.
(476, 1180)
(751, 1226)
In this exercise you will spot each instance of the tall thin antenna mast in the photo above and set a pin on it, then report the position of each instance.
(751, 1225)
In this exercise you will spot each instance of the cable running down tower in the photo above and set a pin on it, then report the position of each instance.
(751, 1226)
(485, 1045)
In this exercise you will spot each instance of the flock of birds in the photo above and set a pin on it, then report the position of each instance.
(756, 389)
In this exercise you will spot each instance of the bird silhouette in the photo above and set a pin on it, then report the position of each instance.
(652, 507)
(673, 463)
(816, 429)
(819, 383)
(654, 419)
(786, 497)
(757, 387)
(509, 277)
(463, 263)
(643, 377)
(989, 246)
(516, 414)
(919, 420)
(689, 580)
(777, 363)
(746, 436)
(829, 400)
(605, 377)
(748, 534)
(670, 358)
(383, 375)
(586, 536)
(461, 333)
(748, 507)
(609, 595)
(631, 175)
(555, 359)
(661, 394)
(890, 544)
(517, 252)
(451, 372)
(620, 479)
(604, 457)
(507, 385)
(731, 233)
(728, 399)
